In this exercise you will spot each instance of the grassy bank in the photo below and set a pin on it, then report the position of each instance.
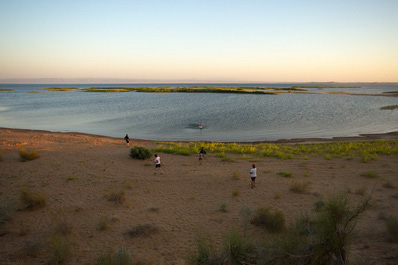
(366, 150)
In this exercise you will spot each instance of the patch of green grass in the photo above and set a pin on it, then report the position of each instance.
(370, 174)
(272, 221)
(33, 200)
(72, 178)
(28, 155)
(227, 159)
(285, 174)
(142, 230)
(299, 187)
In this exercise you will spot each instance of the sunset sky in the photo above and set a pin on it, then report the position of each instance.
(217, 40)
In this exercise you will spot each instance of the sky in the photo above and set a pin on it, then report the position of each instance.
(200, 40)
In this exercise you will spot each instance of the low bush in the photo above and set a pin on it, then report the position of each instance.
(223, 207)
(103, 223)
(392, 229)
(235, 193)
(142, 230)
(33, 200)
(236, 175)
(273, 221)
(238, 250)
(28, 155)
(138, 152)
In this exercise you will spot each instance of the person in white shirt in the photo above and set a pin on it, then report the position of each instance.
(253, 175)
(157, 163)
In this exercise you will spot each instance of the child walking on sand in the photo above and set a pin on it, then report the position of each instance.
(202, 153)
(157, 164)
(253, 175)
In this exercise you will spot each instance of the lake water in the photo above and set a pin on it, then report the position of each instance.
(225, 117)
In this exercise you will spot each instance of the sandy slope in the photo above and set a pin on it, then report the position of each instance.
(77, 170)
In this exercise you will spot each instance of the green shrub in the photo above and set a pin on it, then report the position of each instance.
(299, 187)
(28, 155)
(285, 174)
(205, 254)
(320, 239)
(319, 204)
(139, 152)
(238, 250)
(59, 250)
(392, 229)
(142, 230)
(273, 221)
(33, 200)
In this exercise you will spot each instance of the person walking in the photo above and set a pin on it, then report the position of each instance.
(253, 175)
(126, 138)
(202, 153)
(157, 164)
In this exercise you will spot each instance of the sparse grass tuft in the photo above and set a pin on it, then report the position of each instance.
(388, 185)
(31, 249)
(28, 155)
(389, 107)
(299, 187)
(142, 230)
(361, 191)
(116, 196)
(103, 223)
(235, 193)
(236, 175)
(59, 249)
(285, 174)
(273, 221)
(370, 174)
(277, 196)
(33, 200)
(227, 159)
(392, 229)
(223, 207)
(139, 152)
(119, 257)
(319, 205)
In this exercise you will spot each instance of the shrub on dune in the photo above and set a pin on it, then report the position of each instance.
(139, 152)
(28, 155)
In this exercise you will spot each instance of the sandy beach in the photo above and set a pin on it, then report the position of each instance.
(78, 171)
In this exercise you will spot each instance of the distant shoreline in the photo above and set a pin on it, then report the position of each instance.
(362, 137)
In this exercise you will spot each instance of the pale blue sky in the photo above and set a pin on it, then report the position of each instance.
(268, 41)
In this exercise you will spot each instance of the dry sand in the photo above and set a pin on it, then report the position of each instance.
(77, 170)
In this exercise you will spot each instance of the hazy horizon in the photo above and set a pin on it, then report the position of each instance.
(200, 41)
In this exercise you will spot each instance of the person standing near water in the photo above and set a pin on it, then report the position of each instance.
(253, 175)
(127, 140)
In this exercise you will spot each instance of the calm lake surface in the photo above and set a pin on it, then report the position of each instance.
(225, 117)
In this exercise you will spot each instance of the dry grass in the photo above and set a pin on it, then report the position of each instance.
(28, 155)
(236, 175)
(285, 174)
(235, 193)
(103, 223)
(142, 230)
(117, 196)
(299, 187)
(59, 249)
(33, 200)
